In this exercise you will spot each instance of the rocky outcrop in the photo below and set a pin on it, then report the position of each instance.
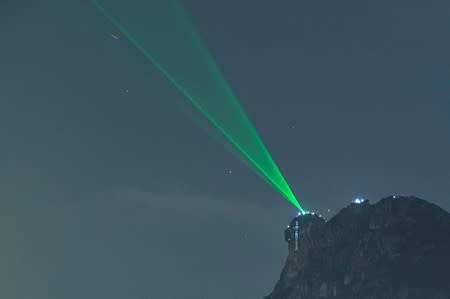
(398, 248)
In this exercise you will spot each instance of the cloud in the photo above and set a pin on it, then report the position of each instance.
(198, 205)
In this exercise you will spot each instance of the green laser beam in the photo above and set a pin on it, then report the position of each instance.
(164, 34)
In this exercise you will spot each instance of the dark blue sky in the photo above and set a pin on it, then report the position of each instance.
(108, 190)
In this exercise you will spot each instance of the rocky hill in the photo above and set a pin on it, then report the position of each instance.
(398, 248)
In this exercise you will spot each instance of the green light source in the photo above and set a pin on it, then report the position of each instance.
(162, 31)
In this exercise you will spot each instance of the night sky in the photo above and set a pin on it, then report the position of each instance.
(109, 190)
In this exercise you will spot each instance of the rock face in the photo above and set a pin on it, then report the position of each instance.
(398, 248)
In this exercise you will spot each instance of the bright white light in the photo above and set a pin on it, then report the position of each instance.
(394, 196)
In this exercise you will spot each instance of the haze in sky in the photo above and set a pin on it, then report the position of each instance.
(109, 190)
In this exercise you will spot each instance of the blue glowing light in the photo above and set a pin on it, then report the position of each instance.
(358, 200)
